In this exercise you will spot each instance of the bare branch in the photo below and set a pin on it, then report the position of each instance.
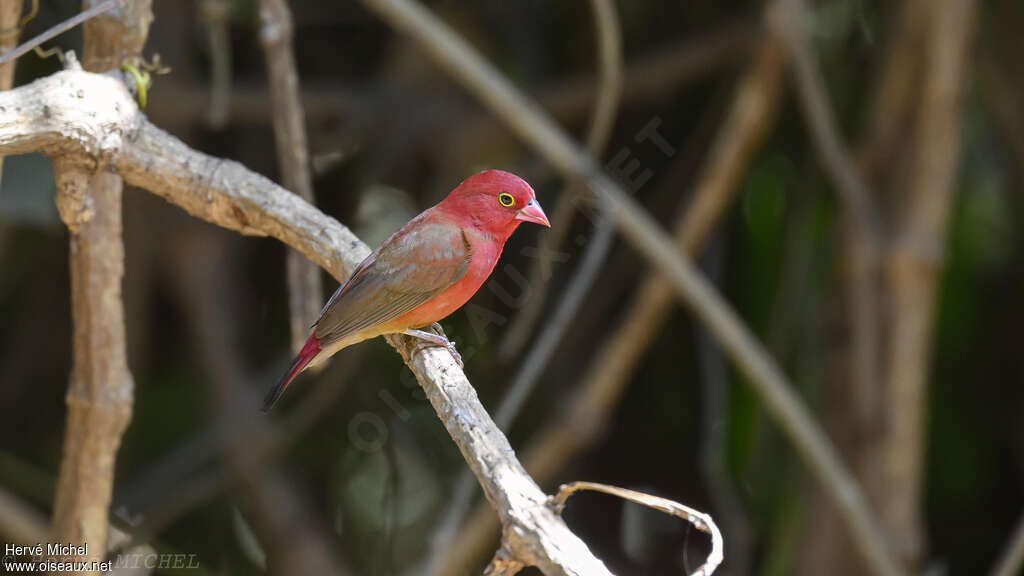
(639, 229)
(305, 295)
(100, 394)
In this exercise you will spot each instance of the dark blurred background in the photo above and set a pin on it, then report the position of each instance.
(357, 467)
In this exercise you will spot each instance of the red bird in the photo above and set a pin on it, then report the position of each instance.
(423, 272)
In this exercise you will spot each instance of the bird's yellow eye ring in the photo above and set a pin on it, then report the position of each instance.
(506, 199)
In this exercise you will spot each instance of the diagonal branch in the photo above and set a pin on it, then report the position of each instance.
(638, 228)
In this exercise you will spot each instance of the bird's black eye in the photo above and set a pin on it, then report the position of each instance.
(506, 199)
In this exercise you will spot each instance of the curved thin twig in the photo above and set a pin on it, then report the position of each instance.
(700, 520)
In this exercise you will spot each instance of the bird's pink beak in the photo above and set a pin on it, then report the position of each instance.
(533, 213)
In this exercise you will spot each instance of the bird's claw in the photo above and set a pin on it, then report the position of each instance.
(429, 340)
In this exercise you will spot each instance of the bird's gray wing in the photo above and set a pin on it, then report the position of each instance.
(414, 265)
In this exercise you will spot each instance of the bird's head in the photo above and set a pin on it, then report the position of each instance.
(495, 201)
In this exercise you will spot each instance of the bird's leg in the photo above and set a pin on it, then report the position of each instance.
(436, 327)
(428, 339)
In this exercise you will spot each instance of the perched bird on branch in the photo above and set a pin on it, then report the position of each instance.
(423, 272)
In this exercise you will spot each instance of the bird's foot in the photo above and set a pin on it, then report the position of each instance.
(436, 327)
(430, 339)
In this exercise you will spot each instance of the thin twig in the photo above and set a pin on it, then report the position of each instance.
(217, 15)
(788, 18)
(305, 294)
(700, 520)
(59, 29)
(527, 121)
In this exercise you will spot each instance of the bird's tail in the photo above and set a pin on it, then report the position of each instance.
(306, 355)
